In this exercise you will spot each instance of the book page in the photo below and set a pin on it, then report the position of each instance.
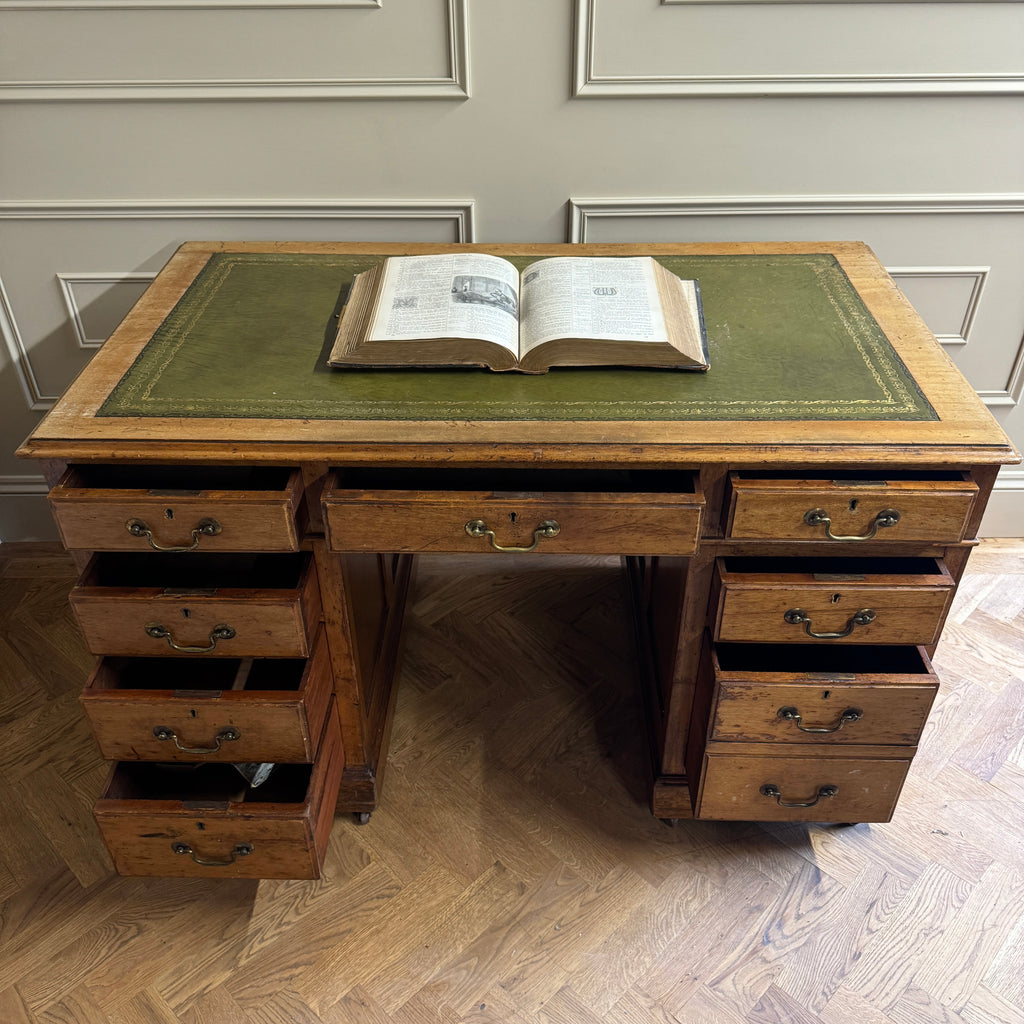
(606, 298)
(457, 295)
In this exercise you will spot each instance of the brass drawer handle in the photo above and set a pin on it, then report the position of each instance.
(818, 517)
(796, 616)
(478, 528)
(161, 632)
(162, 732)
(790, 714)
(240, 850)
(204, 528)
(773, 791)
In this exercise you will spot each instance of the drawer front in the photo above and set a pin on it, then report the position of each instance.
(120, 517)
(808, 607)
(737, 787)
(848, 511)
(157, 821)
(567, 522)
(219, 709)
(830, 708)
(564, 523)
(131, 614)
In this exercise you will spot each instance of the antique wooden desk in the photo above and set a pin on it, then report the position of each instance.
(794, 524)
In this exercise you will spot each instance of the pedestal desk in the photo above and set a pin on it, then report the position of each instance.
(794, 524)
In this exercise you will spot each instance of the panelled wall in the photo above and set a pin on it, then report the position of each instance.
(128, 126)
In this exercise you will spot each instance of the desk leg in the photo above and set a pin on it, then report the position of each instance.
(364, 599)
(670, 600)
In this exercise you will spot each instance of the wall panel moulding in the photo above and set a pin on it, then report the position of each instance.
(947, 292)
(182, 5)
(674, 49)
(53, 316)
(258, 81)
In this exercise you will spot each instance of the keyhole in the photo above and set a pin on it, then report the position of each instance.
(826, 695)
(186, 613)
(853, 505)
(191, 712)
(835, 598)
(168, 513)
(201, 826)
(512, 516)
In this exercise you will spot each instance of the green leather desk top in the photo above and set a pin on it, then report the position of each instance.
(789, 337)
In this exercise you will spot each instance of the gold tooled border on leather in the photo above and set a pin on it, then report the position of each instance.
(789, 338)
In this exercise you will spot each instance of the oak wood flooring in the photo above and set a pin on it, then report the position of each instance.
(513, 872)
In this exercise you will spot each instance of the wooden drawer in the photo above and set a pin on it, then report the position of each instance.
(187, 605)
(817, 694)
(912, 507)
(831, 600)
(762, 787)
(175, 508)
(218, 709)
(549, 512)
(204, 821)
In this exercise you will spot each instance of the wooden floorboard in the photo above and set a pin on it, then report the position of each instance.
(513, 871)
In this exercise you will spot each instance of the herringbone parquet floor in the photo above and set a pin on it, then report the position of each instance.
(513, 873)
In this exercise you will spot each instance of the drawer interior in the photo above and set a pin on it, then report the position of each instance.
(833, 567)
(204, 675)
(207, 783)
(852, 659)
(517, 481)
(862, 476)
(178, 479)
(195, 571)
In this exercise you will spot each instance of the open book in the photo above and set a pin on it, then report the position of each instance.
(473, 309)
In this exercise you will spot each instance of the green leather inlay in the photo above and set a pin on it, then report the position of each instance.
(789, 339)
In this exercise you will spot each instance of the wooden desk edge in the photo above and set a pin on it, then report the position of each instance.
(965, 431)
(550, 456)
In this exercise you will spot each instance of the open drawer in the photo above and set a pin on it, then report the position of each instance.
(211, 709)
(831, 600)
(549, 511)
(193, 604)
(179, 508)
(840, 695)
(205, 821)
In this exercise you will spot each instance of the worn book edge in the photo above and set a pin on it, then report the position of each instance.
(361, 306)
